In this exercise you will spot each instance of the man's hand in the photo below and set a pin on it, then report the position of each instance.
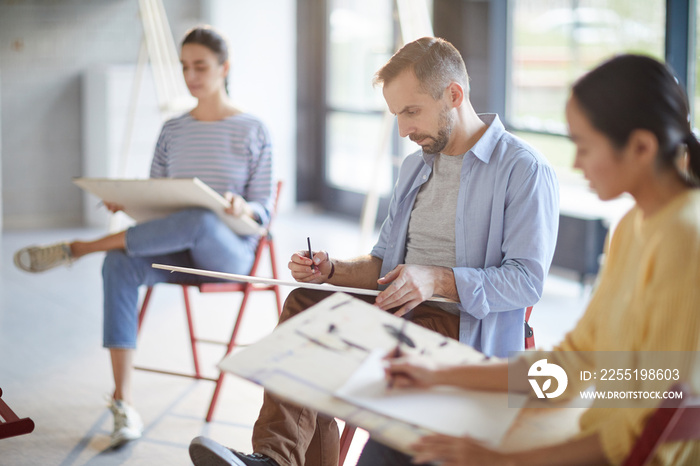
(410, 285)
(300, 266)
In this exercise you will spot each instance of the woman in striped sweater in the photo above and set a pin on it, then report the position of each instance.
(629, 120)
(225, 148)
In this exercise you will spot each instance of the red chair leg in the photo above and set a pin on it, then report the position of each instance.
(231, 345)
(10, 424)
(14, 428)
(345, 442)
(144, 305)
(190, 325)
(529, 331)
(271, 247)
(215, 396)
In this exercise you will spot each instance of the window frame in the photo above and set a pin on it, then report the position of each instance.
(483, 33)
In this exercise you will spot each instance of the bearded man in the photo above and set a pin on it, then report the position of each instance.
(473, 218)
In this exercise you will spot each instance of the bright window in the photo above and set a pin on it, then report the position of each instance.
(556, 41)
(361, 35)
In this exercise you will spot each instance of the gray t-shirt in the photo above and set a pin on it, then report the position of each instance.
(431, 229)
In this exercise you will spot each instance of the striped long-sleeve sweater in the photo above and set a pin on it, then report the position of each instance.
(233, 154)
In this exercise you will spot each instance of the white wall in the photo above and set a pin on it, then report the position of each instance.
(110, 148)
(45, 47)
(262, 38)
(0, 146)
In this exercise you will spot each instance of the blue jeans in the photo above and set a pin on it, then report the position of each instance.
(190, 238)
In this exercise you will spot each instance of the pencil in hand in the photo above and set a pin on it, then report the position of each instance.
(396, 352)
(311, 254)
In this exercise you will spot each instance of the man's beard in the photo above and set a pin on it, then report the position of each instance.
(445, 123)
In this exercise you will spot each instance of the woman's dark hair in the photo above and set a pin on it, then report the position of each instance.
(211, 39)
(632, 92)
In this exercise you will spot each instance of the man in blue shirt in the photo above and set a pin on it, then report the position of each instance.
(473, 218)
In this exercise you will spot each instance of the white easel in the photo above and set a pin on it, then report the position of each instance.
(414, 20)
(158, 48)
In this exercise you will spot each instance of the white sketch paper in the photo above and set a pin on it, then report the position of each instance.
(447, 410)
(309, 357)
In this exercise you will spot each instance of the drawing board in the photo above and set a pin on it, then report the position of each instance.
(310, 358)
(274, 281)
(148, 199)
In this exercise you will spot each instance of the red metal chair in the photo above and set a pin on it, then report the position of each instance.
(529, 331)
(265, 243)
(10, 424)
(345, 442)
(675, 420)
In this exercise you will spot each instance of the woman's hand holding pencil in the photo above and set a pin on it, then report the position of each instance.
(409, 372)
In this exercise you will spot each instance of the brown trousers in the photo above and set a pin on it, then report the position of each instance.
(297, 436)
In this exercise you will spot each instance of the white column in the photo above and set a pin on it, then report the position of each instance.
(262, 39)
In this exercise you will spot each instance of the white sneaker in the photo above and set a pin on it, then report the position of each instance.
(127, 423)
(42, 258)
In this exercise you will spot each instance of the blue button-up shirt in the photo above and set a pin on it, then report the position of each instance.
(505, 232)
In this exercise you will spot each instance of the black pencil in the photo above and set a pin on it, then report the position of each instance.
(311, 256)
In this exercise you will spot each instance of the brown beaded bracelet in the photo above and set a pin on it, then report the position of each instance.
(330, 275)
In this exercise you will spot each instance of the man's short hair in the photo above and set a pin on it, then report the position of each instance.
(435, 62)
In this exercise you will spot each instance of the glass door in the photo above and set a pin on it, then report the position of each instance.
(361, 37)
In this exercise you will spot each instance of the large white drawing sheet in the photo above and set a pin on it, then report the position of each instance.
(148, 199)
(447, 410)
(310, 358)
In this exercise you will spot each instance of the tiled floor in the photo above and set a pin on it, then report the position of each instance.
(54, 370)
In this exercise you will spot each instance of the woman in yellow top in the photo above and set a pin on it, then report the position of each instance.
(629, 121)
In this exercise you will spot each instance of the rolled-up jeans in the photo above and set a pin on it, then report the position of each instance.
(189, 238)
